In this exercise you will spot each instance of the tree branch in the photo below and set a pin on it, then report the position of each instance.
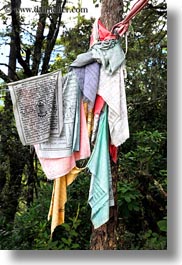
(52, 35)
(11, 69)
(16, 35)
(160, 99)
(4, 77)
(160, 9)
(39, 39)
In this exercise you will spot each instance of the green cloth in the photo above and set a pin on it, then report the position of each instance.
(109, 53)
(100, 193)
(76, 132)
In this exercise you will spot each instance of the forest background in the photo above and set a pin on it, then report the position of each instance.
(25, 192)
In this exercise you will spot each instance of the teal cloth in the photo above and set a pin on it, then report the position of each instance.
(76, 133)
(109, 53)
(100, 193)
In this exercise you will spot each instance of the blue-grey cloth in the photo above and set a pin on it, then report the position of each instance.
(88, 78)
(100, 193)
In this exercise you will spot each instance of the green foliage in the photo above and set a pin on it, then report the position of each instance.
(74, 41)
(129, 198)
(31, 230)
(154, 241)
(162, 224)
(141, 193)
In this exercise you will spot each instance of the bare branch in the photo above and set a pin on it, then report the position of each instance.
(39, 39)
(4, 77)
(52, 35)
(16, 35)
(10, 68)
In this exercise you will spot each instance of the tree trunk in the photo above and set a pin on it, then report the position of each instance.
(111, 12)
(105, 237)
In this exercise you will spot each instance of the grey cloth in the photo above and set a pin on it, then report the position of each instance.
(83, 59)
(88, 78)
(110, 54)
(33, 104)
(63, 145)
(112, 90)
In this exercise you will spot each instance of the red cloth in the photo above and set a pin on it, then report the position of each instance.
(113, 152)
(103, 34)
(99, 104)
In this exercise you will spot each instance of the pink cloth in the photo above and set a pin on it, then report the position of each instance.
(55, 168)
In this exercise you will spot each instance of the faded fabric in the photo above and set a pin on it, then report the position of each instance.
(55, 168)
(100, 33)
(88, 78)
(89, 118)
(109, 53)
(33, 104)
(83, 59)
(100, 193)
(112, 90)
(99, 104)
(59, 198)
(61, 145)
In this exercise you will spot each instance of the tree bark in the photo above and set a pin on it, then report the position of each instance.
(39, 39)
(15, 5)
(111, 12)
(105, 237)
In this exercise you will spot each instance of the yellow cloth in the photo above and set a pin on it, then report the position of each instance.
(89, 118)
(59, 193)
(59, 197)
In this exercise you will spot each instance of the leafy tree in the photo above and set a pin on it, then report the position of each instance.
(139, 219)
(17, 160)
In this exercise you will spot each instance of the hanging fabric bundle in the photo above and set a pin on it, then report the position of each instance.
(64, 116)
